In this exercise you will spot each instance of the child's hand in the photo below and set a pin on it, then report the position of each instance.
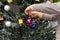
(28, 9)
(33, 13)
(36, 13)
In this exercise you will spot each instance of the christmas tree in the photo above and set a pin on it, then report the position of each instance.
(15, 25)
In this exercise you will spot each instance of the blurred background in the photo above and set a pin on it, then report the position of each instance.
(15, 25)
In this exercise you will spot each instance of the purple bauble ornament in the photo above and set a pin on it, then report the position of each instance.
(29, 21)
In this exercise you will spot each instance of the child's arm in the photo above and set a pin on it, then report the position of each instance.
(52, 8)
(50, 17)
(45, 16)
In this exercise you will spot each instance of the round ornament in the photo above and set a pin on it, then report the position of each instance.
(6, 7)
(33, 26)
(29, 21)
(8, 23)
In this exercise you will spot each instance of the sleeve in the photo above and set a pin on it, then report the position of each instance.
(39, 7)
(50, 17)
(52, 8)
(50, 12)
